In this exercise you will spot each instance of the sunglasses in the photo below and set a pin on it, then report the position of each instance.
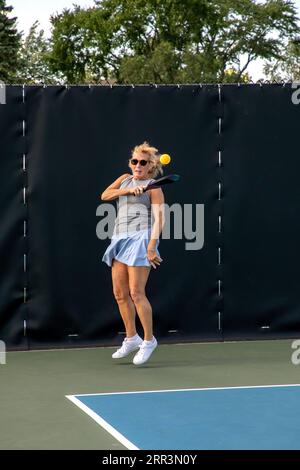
(135, 161)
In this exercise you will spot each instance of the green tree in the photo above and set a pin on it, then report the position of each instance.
(33, 59)
(169, 41)
(69, 55)
(9, 43)
(286, 68)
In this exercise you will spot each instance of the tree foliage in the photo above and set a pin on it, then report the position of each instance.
(169, 41)
(33, 59)
(9, 43)
(154, 41)
(286, 68)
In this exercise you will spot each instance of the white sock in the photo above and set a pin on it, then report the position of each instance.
(133, 338)
(150, 342)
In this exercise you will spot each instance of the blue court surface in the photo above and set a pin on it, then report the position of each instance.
(260, 417)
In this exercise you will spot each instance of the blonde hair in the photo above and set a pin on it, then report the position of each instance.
(153, 156)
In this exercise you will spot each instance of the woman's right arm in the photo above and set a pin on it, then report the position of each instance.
(113, 191)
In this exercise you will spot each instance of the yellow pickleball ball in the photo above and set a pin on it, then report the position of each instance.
(165, 159)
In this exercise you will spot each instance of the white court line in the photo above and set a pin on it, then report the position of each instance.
(104, 424)
(122, 439)
(184, 390)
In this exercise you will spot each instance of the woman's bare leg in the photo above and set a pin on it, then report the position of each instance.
(120, 281)
(138, 276)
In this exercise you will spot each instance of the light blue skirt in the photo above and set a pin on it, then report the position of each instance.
(130, 250)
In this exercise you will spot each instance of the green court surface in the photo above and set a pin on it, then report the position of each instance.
(35, 413)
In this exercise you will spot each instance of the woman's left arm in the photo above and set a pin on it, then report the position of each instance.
(157, 206)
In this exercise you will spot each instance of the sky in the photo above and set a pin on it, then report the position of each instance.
(27, 11)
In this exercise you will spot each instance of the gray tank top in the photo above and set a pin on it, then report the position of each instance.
(134, 212)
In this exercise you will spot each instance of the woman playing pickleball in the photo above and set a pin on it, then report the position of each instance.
(134, 247)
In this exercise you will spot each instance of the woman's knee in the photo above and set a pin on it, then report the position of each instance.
(137, 295)
(121, 295)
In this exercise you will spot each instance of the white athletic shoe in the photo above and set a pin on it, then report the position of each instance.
(145, 352)
(127, 347)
